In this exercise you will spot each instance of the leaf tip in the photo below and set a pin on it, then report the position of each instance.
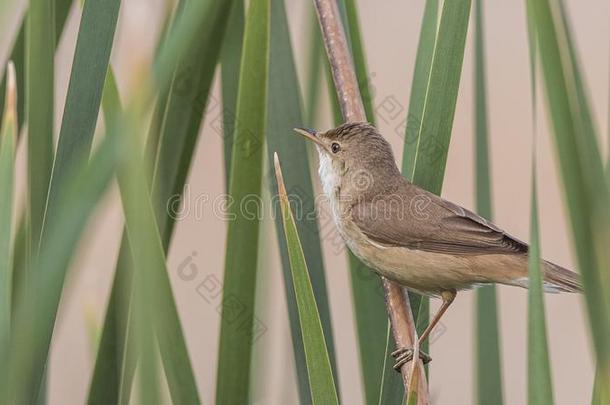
(279, 177)
(11, 93)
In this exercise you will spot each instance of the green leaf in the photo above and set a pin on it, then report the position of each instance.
(40, 84)
(488, 367)
(284, 113)
(18, 59)
(441, 97)
(35, 313)
(8, 138)
(93, 46)
(236, 335)
(419, 83)
(179, 115)
(320, 373)
(392, 390)
(80, 114)
(230, 60)
(62, 8)
(539, 384)
(581, 166)
(114, 366)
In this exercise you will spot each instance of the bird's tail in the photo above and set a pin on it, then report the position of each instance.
(559, 279)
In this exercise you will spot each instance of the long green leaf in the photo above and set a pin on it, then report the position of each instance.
(93, 46)
(581, 167)
(148, 264)
(35, 314)
(539, 385)
(62, 8)
(284, 113)
(392, 390)
(419, 83)
(8, 138)
(40, 85)
(488, 368)
(321, 381)
(180, 115)
(230, 60)
(242, 237)
(80, 115)
(441, 96)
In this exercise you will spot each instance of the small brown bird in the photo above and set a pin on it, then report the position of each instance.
(411, 236)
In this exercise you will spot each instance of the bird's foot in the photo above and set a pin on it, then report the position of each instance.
(405, 355)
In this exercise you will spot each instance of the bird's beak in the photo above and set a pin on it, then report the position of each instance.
(311, 135)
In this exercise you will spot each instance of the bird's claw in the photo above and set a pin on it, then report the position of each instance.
(405, 355)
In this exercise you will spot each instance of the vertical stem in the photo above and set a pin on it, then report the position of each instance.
(348, 94)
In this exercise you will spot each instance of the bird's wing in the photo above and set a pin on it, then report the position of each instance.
(414, 218)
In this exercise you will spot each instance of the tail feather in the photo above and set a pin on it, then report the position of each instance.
(559, 279)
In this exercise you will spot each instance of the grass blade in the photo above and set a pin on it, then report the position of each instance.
(18, 59)
(179, 117)
(8, 138)
(40, 84)
(182, 117)
(539, 385)
(441, 96)
(488, 367)
(245, 184)
(230, 65)
(35, 315)
(62, 8)
(320, 373)
(148, 263)
(392, 391)
(419, 83)
(93, 46)
(80, 115)
(284, 113)
(580, 164)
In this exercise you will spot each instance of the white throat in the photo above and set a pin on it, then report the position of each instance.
(328, 176)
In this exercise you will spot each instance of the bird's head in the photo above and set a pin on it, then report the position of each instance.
(353, 150)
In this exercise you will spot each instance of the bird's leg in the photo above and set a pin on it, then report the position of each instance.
(405, 354)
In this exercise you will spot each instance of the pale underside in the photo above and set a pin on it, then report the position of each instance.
(447, 248)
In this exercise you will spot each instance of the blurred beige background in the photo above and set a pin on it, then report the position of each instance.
(390, 31)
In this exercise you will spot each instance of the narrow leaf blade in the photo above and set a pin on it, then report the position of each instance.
(239, 287)
(320, 373)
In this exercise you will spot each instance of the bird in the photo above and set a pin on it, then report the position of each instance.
(411, 236)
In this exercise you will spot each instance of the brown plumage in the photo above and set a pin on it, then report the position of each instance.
(374, 204)
(410, 235)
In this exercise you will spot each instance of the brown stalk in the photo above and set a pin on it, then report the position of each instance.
(350, 101)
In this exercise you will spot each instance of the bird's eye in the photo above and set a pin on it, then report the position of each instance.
(335, 147)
